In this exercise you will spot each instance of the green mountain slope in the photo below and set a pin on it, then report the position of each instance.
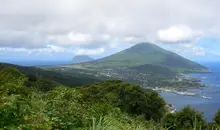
(71, 79)
(153, 69)
(81, 59)
(146, 53)
(10, 75)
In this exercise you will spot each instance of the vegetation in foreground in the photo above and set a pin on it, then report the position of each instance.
(32, 102)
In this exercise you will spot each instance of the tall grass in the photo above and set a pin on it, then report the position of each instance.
(111, 123)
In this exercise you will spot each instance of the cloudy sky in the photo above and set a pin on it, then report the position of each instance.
(61, 29)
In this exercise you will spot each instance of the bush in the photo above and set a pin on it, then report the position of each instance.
(18, 109)
(187, 118)
(64, 109)
(129, 98)
(217, 118)
(32, 77)
(169, 121)
(42, 84)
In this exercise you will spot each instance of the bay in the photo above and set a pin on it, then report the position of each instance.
(208, 106)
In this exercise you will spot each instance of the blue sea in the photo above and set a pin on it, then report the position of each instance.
(207, 106)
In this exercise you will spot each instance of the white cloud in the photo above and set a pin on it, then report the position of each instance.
(187, 49)
(50, 49)
(69, 39)
(79, 38)
(89, 51)
(216, 53)
(178, 34)
(198, 51)
(134, 39)
(93, 24)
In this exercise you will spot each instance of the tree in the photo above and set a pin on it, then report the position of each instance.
(129, 98)
(189, 118)
(42, 84)
(32, 77)
(169, 121)
(217, 117)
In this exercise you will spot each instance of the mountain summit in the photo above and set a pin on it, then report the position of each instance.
(148, 54)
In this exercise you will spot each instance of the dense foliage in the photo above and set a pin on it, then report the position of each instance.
(217, 117)
(129, 98)
(186, 119)
(34, 102)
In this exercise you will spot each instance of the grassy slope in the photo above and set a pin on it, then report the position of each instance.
(153, 69)
(146, 53)
(71, 79)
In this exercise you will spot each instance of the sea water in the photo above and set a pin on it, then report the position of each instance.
(208, 106)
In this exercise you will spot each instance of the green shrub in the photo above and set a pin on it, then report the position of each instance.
(129, 98)
(32, 77)
(41, 84)
(186, 119)
(217, 118)
(169, 121)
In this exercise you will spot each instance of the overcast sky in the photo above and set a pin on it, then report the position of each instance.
(61, 29)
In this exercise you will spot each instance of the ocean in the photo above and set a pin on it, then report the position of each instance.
(208, 106)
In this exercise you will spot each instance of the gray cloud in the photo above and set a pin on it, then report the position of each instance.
(98, 24)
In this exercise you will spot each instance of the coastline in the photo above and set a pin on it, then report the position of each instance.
(201, 71)
(211, 89)
(183, 93)
(173, 107)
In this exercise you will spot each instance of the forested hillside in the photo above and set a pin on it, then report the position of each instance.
(71, 79)
(35, 102)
